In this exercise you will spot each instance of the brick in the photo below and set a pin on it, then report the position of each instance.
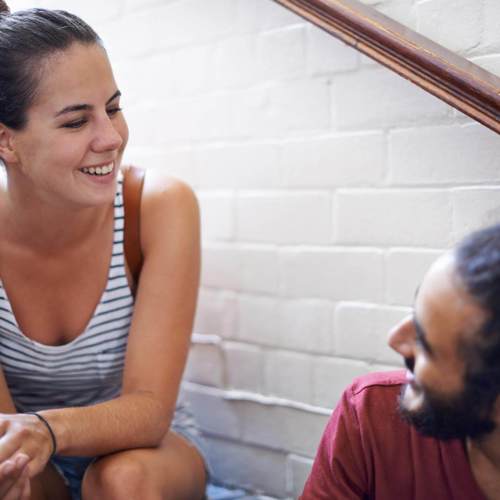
(228, 54)
(333, 273)
(296, 106)
(331, 378)
(238, 166)
(303, 429)
(467, 154)
(474, 208)
(214, 414)
(174, 162)
(490, 40)
(402, 11)
(260, 269)
(205, 365)
(282, 427)
(405, 271)
(258, 320)
(188, 71)
(284, 217)
(288, 375)
(456, 24)
(303, 325)
(134, 5)
(244, 366)
(137, 90)
(255, 468)
(306, 325)
(362, 330)
(216, 313)
(217, 215)
(250, 268)
(16, 5)
(271, 15)
(376, 97)
(326, 54)
(92, 11)
(221, 267)
(262, 424)
(162, 125)
(145, 26)
(298, 470)
(194, 21)
(381, 217)
(336, 160)
(490, 63)
(281, 53)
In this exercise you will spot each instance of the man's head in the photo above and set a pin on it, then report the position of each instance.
(451, 344)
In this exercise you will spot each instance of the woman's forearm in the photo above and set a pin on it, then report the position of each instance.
(135, 420)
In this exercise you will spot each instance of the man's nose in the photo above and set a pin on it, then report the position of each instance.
(402, 337)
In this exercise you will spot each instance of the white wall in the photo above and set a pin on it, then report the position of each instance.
(327, 186)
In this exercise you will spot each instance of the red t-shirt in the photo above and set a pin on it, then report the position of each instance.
(368, 452)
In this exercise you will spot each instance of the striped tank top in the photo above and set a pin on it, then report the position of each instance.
(88, 369)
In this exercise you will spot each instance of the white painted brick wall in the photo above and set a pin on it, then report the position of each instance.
(412, 158)
(393, 217)
(298, 469)
(327, 187)
(291, 218)
(405, 270)
(335, 160)
(456, 24)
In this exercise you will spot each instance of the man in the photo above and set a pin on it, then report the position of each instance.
(434, 432)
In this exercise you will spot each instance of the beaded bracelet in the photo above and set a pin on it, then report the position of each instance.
(52, 435)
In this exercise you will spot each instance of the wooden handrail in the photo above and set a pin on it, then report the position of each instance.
(457, 81)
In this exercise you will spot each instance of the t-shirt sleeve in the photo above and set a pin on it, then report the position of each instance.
(339, 471)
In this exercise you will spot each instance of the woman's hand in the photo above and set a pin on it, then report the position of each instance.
(14, 478)
(25, 435)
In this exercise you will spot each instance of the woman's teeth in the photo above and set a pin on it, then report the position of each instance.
(107, 169)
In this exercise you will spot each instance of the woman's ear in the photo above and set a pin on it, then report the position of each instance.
(7, 152)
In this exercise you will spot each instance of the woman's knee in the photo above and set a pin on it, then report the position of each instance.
(117, 477)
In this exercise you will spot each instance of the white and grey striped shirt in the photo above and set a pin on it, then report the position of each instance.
(85, 371)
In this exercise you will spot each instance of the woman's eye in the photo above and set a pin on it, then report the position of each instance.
(75, 124)
(113, 111)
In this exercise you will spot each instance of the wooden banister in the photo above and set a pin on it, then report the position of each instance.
(457, 81)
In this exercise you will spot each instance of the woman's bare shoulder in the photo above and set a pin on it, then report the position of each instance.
(167, 202)
(162, 191)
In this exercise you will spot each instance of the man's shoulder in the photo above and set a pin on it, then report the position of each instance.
(392, 379)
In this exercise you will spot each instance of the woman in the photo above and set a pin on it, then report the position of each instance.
(101, 369)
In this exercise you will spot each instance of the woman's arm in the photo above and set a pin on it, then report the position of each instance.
(158, 341)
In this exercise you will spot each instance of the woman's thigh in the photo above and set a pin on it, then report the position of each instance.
(174, 470)
(49, 485)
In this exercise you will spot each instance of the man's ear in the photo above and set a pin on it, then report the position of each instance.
(7, 151)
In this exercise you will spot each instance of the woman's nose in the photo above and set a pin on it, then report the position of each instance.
(402, 337)
(107, 137)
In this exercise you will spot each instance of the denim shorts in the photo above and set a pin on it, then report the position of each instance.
(72, 469)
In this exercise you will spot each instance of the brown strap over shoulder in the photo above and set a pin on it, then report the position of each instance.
(133, 181)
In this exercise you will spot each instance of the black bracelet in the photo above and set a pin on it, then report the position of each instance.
(52, 435)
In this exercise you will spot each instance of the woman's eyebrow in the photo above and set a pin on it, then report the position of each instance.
(85, 107)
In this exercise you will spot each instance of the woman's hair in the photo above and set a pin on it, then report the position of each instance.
(27, 38)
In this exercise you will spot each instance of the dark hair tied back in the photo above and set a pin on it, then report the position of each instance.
(4, 8)
(478, 266)
(27, 38)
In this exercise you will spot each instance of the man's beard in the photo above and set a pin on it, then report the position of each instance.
(459, 417)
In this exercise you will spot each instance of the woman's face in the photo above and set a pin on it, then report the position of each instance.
(72, 145)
